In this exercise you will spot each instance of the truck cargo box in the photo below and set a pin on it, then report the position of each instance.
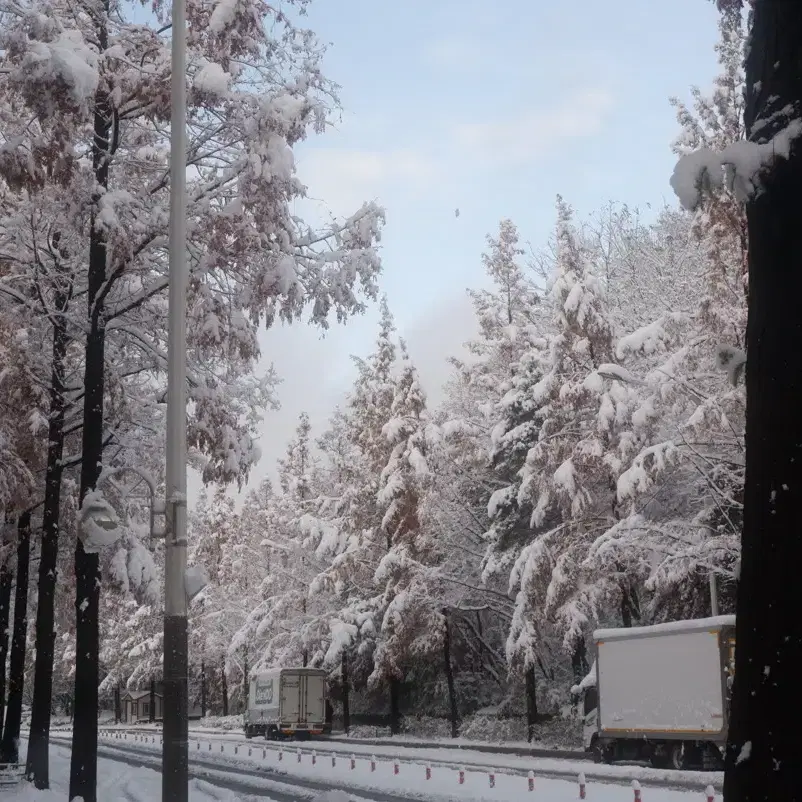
(287, 702)
(667, 681)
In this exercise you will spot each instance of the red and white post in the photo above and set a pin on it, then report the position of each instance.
(396, 767)
(581, 779)
(461, 776)
(530, 780)
(299, 755)
(636, 790)
(373, 763)
(428, 771)
(710, 793)
(314, 758)
(353, 762)
(492, 778)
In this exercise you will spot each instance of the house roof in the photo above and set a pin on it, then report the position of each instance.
(136, 695)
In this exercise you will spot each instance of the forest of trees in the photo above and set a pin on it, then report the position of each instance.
(586, 466)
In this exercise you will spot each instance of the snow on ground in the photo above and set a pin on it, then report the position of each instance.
(411, 781)
(117, 782)
(466, 757)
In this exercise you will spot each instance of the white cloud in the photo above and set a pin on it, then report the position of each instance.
(531, 135)
(456, 53)
(437, 335)
(343, 178)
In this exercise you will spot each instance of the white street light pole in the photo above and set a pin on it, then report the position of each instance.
(175, 757)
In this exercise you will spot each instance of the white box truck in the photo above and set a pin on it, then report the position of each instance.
(661, 694)
(287, 703)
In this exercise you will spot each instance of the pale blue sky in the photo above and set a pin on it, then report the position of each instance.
(494, 109)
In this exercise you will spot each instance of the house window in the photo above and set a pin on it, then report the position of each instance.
(145, 709)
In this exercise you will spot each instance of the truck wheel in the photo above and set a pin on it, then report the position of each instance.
(248, 733)
(676, 757)
(597, 750)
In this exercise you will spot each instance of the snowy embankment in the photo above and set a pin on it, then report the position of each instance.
(484, 731)
(318, 757)
(120, 778)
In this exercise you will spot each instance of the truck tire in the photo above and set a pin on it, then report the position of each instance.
(676, 756)
(599, 752)
(248, 733)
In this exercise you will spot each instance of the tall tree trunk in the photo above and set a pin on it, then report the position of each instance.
(245, 685)
(481, 639)
(203, 689)
(9, 747)
(764, 737)
(6, 580)
(395, 706)
(224, 684)
(118, 708)
(579, 661)
(83, 764)
(531, 704)
(346, 692)
(452, 694)
(152, 706)
(37, 767)
(628, 605)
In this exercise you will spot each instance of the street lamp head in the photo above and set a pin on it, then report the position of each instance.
(98, 523)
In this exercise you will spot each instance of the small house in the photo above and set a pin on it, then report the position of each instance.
(135, 706)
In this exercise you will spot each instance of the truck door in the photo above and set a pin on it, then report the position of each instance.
(316, 699)
(303, 690)
(290, 698)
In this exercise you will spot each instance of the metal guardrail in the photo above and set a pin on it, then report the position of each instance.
(11, 774)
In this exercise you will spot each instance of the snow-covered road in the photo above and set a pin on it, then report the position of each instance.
(415, 759)
(284, 778)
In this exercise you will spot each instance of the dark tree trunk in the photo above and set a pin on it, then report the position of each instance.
(305, 656)
(346, 691)
(118, 707)
(579, 661)
(83, 764)
(531, 703)
(152, 706)
(452, 693)
(9, 747)
(37, 767)
(395, 706)
(224, 684)
(481, 639)
(629, 605)
(245, 685)
(6, 580)
(203, 689)
(765, 741)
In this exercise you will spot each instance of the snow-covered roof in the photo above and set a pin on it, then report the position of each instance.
(138, 694)
(623, 633)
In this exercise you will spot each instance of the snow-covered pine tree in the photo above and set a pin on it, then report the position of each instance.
(568, 479)
(285, 624)
(682, 490)
(411, 625)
